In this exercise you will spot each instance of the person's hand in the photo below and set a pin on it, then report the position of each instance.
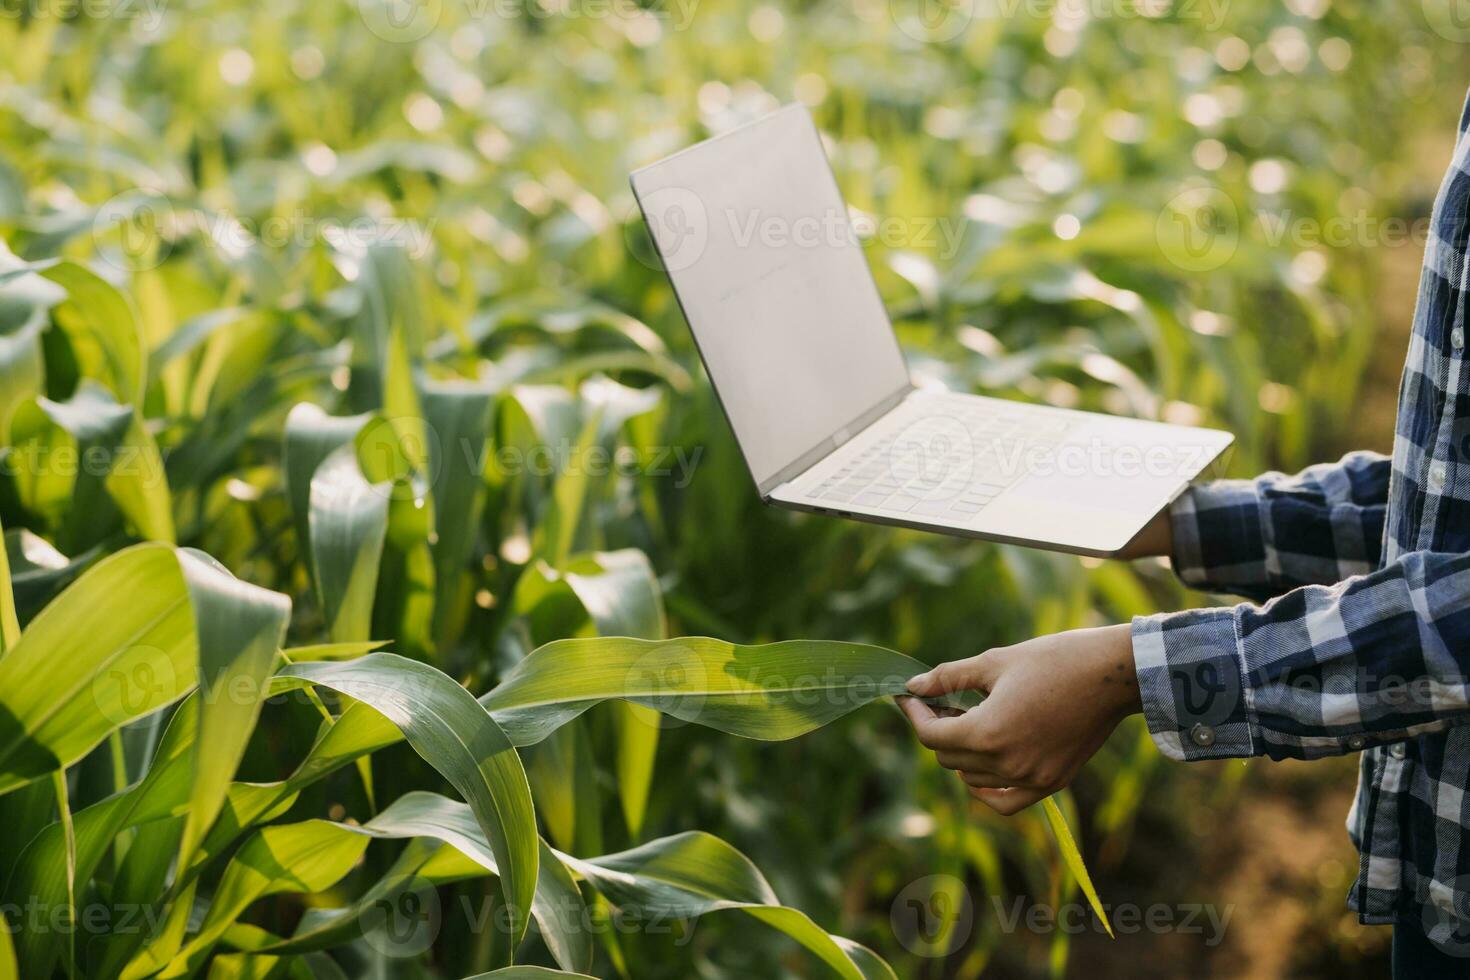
(1051, 703)
(1156, 540)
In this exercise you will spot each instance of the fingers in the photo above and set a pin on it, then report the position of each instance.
(1008, 801)
(965, 760)
(973, 674)
(934, 731)
(978, 779)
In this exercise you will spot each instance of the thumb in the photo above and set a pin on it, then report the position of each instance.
(972, 674)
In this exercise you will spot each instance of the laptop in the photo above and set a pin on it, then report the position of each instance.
(757, 242)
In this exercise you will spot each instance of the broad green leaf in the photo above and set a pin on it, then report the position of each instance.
(623, 598)
(25, 304)
(40, 873)
(684, 876)
(111, 449)
(62, 455)
(349, 520)
(311, 436)
(139, 484)
(693, 874)
(456, 735)
(300, 857)
(118, 644)
(773, 691)
(103, 327)
(422, 817)
(619, 596)
(38, 572)
(135, 633)
(239, 628)
(458, 415)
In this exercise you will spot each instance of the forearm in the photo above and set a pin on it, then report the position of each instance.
(1319, 671)
(1262, 537)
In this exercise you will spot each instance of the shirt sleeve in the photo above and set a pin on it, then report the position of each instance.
(1263, 537)
(1321, 670)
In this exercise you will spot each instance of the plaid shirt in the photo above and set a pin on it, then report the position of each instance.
(1361, 640)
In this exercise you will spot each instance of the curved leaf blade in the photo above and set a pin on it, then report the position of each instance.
(456, 735)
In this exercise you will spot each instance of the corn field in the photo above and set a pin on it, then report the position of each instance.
(384, 594)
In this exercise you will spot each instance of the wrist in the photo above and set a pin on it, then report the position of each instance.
(1156, 540)
(1121, 678)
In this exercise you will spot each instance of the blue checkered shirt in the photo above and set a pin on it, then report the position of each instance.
(1358, 635)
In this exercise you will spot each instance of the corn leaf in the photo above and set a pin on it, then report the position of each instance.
(1073, 858)
(349, 521)
(456, 735)
(773, 691)
(302, 857)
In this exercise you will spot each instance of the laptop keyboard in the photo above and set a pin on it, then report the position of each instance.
(951, 459)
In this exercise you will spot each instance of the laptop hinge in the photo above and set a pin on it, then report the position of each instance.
(821, 450)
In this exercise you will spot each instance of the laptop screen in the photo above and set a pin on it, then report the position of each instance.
(756, 239)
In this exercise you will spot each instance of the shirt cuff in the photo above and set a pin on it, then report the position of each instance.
(1191, 682)
(1218, 535)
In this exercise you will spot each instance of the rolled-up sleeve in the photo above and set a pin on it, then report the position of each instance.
(1321, 670)
(1262, 537)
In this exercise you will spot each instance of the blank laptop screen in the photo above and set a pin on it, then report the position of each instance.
(755, 236)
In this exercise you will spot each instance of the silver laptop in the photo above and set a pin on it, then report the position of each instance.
(772, 279)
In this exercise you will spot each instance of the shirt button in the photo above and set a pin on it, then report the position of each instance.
(1396, 750)
(1436, 477)
(1357, 742)
(1202, 735)
(1457, 337)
